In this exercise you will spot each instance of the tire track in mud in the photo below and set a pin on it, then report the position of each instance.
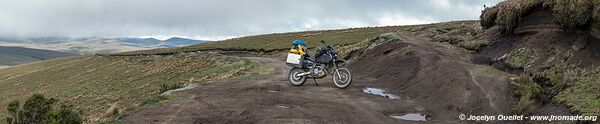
(487, 95)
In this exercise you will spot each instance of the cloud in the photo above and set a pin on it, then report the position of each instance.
(397, 19)
(217, 19)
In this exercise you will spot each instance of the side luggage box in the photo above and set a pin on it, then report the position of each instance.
(294, 60)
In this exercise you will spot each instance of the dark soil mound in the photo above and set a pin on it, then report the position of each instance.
(439, 76)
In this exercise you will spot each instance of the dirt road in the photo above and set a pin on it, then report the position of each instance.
(271, 99)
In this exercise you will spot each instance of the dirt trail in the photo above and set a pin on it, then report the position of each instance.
(271, 99)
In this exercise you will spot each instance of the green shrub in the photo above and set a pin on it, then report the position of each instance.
(64, 115)
(571, 14)
(40, 110)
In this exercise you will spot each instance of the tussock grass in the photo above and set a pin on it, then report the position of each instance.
(528, 91)
(569, 14)
(488, 17)
(509, 12)
(584, 96)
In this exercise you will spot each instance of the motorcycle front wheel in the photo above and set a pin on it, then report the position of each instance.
(342, 78)
(293, 77)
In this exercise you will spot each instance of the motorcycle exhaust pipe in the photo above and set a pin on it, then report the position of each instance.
(303, 74)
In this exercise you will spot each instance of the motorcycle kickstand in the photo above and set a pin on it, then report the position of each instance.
(316, 82)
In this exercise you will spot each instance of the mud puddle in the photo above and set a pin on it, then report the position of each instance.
(380, 92)
(410, 117)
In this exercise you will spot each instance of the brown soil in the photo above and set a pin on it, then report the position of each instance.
(271, 99)
(439, 77)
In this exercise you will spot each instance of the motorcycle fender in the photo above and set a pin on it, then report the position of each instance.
(340, 63)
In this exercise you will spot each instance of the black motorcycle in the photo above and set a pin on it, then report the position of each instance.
(325, 61)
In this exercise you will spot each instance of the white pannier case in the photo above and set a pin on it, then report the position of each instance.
(293, 58)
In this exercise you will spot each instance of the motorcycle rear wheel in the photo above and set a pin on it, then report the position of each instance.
(293, 77)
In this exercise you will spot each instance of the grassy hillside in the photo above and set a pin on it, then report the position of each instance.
(92, 83)
(10, 56)
(282, 41)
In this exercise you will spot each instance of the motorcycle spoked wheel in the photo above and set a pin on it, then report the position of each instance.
(294, 79)
(344, 78)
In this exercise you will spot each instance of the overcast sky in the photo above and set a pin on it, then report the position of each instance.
(218, 19)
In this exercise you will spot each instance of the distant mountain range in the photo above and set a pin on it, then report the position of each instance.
(10, 56)
(96, 45)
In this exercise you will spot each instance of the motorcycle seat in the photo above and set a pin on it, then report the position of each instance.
(310, 58)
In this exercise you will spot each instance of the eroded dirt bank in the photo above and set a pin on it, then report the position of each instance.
(437, 76)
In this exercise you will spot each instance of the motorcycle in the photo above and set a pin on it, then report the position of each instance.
(326, 61)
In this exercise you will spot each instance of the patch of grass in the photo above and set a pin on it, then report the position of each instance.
(167, 87)
(520, 58)
(555, 75)
(525, 85)
(584, 96)
(525, 105)
(474, 44)
(527, 91)
(154, 100)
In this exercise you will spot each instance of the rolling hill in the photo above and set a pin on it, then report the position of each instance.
(98, 45)
(10, 56)
(179, 42)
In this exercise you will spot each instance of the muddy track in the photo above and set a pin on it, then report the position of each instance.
(271, 99)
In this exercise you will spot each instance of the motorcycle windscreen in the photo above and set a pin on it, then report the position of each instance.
(324, 59)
